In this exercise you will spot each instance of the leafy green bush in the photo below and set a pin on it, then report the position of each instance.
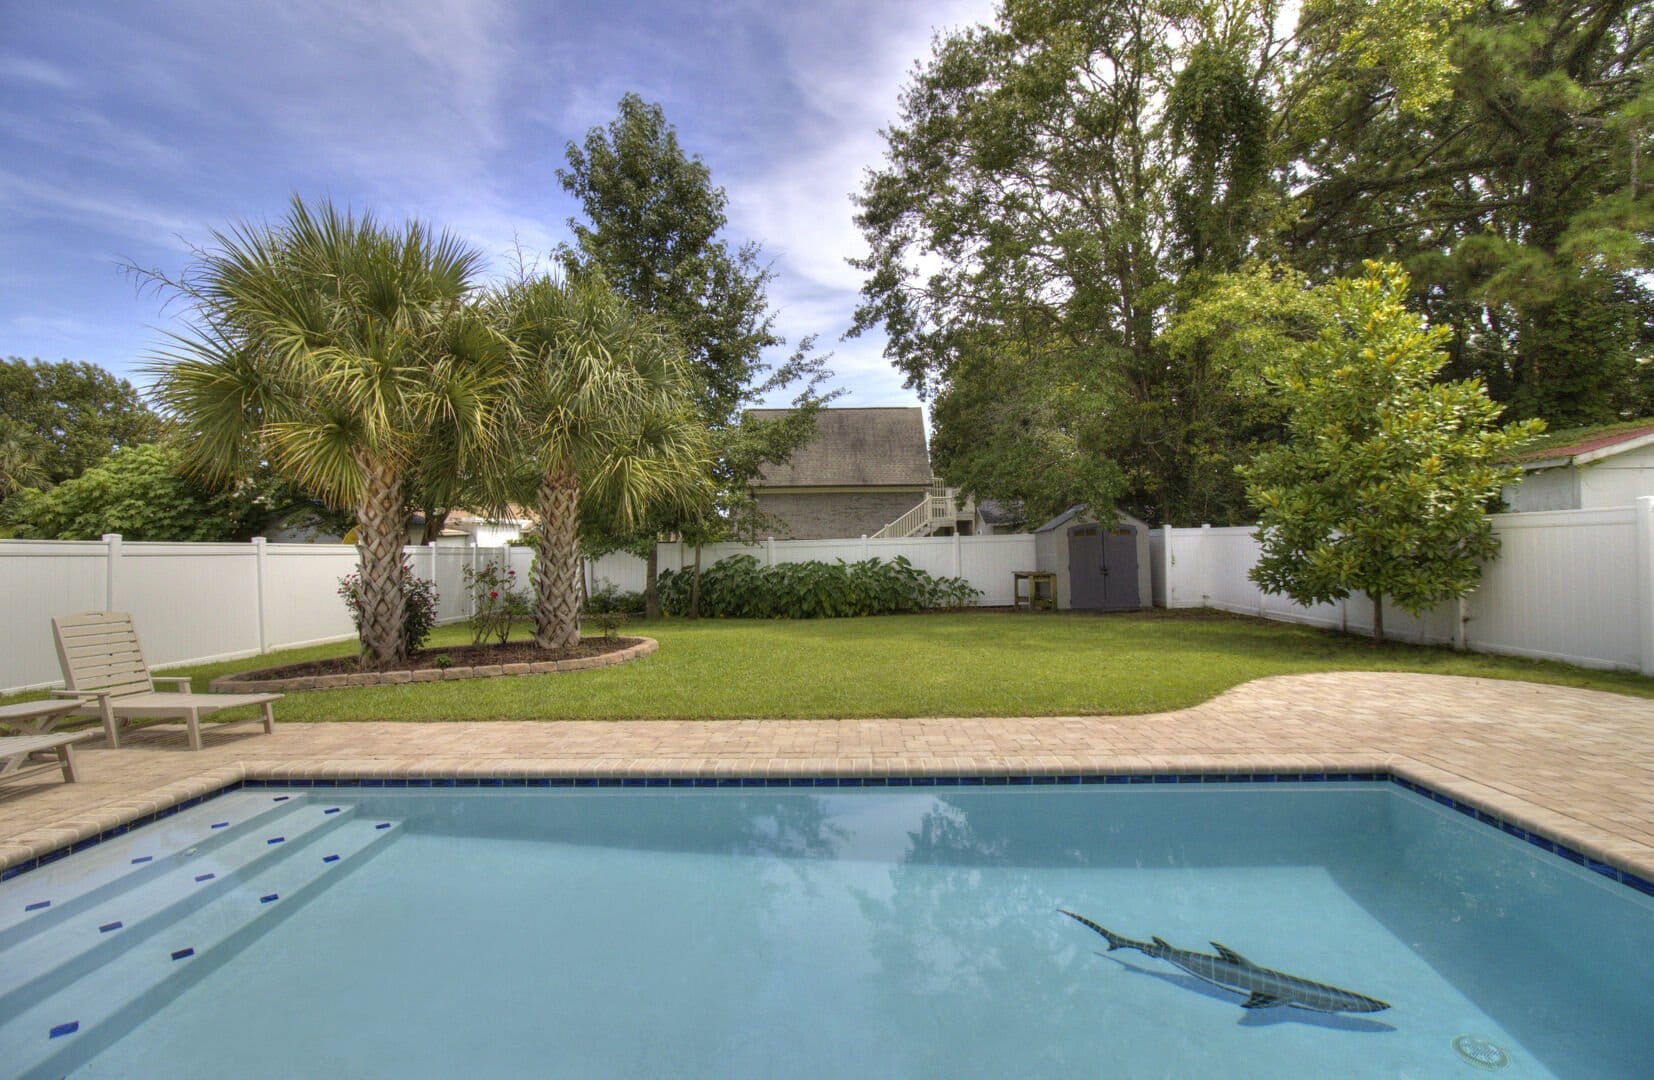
(606, 621)
(738, 587)
(419, 601)
(610, 598)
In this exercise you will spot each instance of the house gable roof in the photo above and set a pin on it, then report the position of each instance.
(854, 448)
(1581, 446)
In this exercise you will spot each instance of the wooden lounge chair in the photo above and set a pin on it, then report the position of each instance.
(104, 667)
(15, 751)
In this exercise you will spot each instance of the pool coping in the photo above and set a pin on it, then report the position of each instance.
(1548, 831)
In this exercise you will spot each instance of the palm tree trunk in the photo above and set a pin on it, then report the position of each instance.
(557, 607)
(695, 587)
(651, 580)
(380, 530)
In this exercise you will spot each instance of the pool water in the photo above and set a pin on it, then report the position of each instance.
(839, 932)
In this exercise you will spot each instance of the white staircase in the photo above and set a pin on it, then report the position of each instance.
(93, 944)
(939, 511)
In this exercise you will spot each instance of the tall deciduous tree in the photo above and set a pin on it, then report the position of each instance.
(1385, 479)
(345, 353)
(1050, 179)
(142, 493)
(1499, 152)
(66, 417)
(653, 219)
(603, 410)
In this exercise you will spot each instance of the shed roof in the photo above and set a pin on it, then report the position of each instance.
(855, 448)
(1083, 513)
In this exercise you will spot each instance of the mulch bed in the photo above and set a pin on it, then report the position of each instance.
(515, 652)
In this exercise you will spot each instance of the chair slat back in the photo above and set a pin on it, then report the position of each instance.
(99, 651)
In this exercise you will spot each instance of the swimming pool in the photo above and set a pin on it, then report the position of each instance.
(896, 931)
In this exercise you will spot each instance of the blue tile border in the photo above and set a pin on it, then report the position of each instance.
(1544, 843)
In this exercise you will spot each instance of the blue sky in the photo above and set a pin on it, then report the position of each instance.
(128, 131)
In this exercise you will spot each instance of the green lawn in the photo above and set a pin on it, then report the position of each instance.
(968, 664)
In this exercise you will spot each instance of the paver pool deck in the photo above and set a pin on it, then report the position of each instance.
(1573, 765)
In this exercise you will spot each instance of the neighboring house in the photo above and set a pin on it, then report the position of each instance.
(460, 529)
(865, 473)
(994, 518)
(1586, 469)
(487, 531)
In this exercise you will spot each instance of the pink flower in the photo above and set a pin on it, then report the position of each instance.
(493, 596)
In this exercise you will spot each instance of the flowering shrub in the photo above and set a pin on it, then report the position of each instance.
(419, 599)
(496, 602)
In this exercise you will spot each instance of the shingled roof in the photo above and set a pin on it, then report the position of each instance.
(855, 448)
(1580, 446)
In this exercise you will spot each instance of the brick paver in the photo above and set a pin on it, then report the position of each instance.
(1576, 765)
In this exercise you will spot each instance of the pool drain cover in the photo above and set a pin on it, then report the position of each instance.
(1481, 1052)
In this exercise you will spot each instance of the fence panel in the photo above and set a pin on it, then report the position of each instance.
(40, 579)
(302, 605)
(988, 561)
(190, 601)
(1564, 586)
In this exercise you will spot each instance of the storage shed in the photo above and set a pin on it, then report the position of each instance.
(1098, 568)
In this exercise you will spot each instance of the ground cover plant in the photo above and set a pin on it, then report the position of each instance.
(960, 664)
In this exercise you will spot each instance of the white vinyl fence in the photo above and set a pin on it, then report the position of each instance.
(1573, 585)
(196, 603)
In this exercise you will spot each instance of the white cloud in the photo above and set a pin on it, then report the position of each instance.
(117, 213)
(801, 204)
(26, 69)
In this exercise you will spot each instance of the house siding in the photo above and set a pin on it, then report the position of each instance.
(837, 515)
(1616, 480)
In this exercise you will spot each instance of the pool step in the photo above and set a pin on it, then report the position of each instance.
(50, 953)
(51, 1034)
(45, 895)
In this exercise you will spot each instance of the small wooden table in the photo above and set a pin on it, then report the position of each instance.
(36, 717)
(1032, 598)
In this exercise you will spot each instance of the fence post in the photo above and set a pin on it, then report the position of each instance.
(1206, 566)
(958, 555)
(259, 580)
(866, 550)
(769, 551)
(1645, 580)
(112, 564)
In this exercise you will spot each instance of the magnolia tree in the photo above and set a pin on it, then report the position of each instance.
(1383, 483)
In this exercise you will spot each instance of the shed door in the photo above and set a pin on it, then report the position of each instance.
(1102, 569)
(1120, 571)
(1085, 568)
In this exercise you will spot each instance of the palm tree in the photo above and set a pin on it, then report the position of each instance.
(347, 354)
(605, 416)
(21, 454)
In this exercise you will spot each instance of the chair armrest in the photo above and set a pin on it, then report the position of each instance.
(176, 680)
(83, 695)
